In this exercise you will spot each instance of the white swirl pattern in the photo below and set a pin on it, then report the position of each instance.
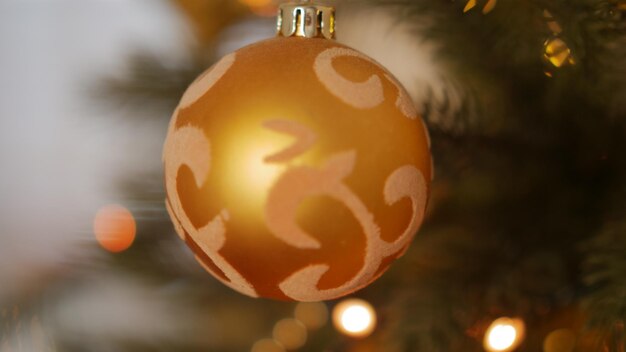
(403, 101)
(304, 139)
(301, 182)
(406, 181)
(189, 146)
(361, 95)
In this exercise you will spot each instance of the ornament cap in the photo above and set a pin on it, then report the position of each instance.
(305, 19)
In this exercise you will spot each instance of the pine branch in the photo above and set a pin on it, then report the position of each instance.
(150, 83)
(605, 276)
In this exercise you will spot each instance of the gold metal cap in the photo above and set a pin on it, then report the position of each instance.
(305, 19)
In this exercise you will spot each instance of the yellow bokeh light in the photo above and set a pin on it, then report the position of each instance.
(486, 9)
(354, 317)
(115, 228)
(265, 8)
(470, 5)
(312, 314)
(267, 345)
(557, 52)
(258, 175)
(504, 334)
(561, 340)
(256, 3)
(291, 333)
(489, 6)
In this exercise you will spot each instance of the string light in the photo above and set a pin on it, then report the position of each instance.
(504, 335)
(557, 53)
(267, 345)
(115, 228)
(354, 317)
(312, 314)
(256, 3)
(486, 9)
(561, 340)
(260, 7)
(291, 333)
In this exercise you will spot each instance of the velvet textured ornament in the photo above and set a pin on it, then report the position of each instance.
(297, 168)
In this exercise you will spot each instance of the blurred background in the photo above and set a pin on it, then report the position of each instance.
(523, 247)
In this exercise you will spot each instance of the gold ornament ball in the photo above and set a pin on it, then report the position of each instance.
(296, 169)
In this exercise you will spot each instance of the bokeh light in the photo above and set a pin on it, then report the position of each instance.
(504, 334)
(486, 9)
(312, 314)
(291, 333)
(552, 24)
(256, 3)
(561, 340)
(354, 317)
(261, 7)
(502, 337)
(114, 227)
(558, 53)
(267, 345)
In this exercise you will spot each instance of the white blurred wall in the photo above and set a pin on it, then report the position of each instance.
(58, 148)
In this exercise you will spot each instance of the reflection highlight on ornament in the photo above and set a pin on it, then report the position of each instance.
(504, 334)
(354, 317)
(248, 175)
(259, 174)
(291, 334)
(115, 228)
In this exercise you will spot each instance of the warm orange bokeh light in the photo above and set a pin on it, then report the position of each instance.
(291, 333)
(312, 314)
(256, 3)
(266, 8)
(114, 227)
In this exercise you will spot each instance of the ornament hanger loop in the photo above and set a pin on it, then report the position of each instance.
(305, 19)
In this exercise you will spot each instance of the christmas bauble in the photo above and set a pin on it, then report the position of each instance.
(296, 168)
